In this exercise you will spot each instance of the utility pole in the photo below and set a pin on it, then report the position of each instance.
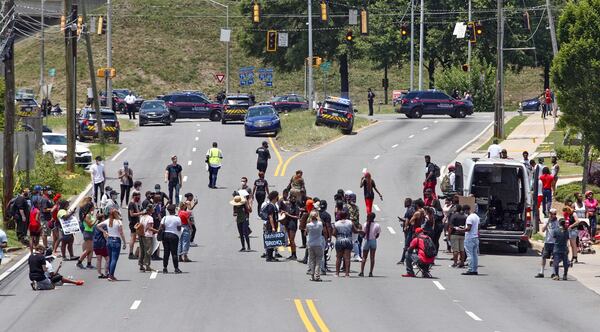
(551, 26)
(42, 51)
(412, 44)
(310, 56)
(227, 56)
(109, 53)
(8, 60)
(70, 70)
(469, 42)
(86, 32)
(421, 44)
(499, 109)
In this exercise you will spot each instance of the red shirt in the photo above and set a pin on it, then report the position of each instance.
(547, 181)
(417, 243)
(185, 217)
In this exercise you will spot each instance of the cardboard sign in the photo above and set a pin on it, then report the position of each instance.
(274, 240)
(70, 226)
(470, 201)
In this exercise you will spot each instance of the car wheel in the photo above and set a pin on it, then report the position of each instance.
(80, 138)
(417, 113)
(215, 116)
(408, 116)
(141, 124)
(246, 133)
(461, 113)
(173, 116)
(347, 131)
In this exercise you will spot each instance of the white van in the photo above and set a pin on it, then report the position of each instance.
(502, 199)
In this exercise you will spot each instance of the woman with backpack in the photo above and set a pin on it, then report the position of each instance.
(296, 184)
(371, 231)
(100, 248)
(368, 184)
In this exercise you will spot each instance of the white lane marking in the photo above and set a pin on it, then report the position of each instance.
(392, 231)
(376, 157)
(364, 170)
(472, 315)
(199, 130)
(425, 128)
(153, 275)
(436, 121)
(197, 125)
(376, 207)
(197, 138)
(474, 138)
(189, 162)
(14, 267)
(185, 178)
(394, 146)
(438, 285)
(118, 154)
(135, 304)
(194, 150)
(411, 136)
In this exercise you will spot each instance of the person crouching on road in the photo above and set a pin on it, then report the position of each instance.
(549, 227)
(171, 225)
(145, 230)
(186, 232)
(241, 211)
(416, 253)
(371, 233)
(314, 230)
(113, 232)
(561, 238)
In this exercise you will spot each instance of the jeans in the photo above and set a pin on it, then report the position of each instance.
(315, 257)
(472, 250)
(193, 233)
(125, 190)
(145, 250)
(546, 200)
(370, 107)
(212, 176)
(174, 186)
(593, 222)
(184, 241)
(244, 232)
(410, 259)
(98, 187)
(114, 250)
(170, 242)
(560, 257)
(408, 236)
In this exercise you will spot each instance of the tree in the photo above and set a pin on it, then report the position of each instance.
(576, 70)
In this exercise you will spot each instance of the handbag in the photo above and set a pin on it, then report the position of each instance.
(161, 231)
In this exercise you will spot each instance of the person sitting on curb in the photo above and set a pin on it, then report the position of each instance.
(549, 227)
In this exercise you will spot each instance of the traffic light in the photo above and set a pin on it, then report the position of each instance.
(324, 15)
(271, 41)
(404, 31)
(526, 22)
(316, 61)
(478, 29)
(349, 36)
(101, 25)
(470, 33)
(255, 13)
(364, 22)
(79, 24)
(63, 23)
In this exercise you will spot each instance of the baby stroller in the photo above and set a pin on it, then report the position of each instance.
(585, 239)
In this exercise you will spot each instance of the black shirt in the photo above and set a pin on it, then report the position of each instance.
(458, 219)
(430, 175)
(20, 203)
(369, 193)
(263, 154)
(37, 263)
(261, 185)
(133, 207)
(173, 173)
(46, 204)
(271, 210)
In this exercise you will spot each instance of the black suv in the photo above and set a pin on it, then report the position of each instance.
(416, 103)
(185, 105)
(289, 102)
(235, 107)
(336, 112)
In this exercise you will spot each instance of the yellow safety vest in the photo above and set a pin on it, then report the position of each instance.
(214, 156)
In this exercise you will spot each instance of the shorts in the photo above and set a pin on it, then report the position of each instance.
(132, 227)
(88, 236)
(548, 250)
(457, 243)
(67, 238)
(36, 233)
(573, 233)
(45, 229)
(101, 252)
(292, 225)
(55, 279)
(369, 244)
(343, 244)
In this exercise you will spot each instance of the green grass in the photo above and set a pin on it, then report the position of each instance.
(509, 127)
(553, 140)
(13, 242)
(537, 237)
(299, 132)
(103, 150)
(127, 125)
(569, 169)
(74, 182)
(384, 109)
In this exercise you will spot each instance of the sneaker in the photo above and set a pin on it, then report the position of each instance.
(555, 278)
(552, 276)
(278, 255)
(361, 274)
(165, 271)
(132, 256)
(292, 257)
(263, 255)
(370, 274)
(178, 271)
(90, 266)
(469, 273)
(33, 285)
(79, 282)
(540, 275)
(243, 249)
(142, 269)
(408, 275)
(192, 244)
(565, 278)
(149, 269)
(453, 265)
(79, 265)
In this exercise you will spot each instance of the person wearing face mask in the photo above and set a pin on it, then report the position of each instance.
(125, 175)
(261, 189)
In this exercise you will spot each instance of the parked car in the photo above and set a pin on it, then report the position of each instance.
(55, 145)
(118, 104)
(336, 112)
(502, 196)
(26, 127)
(184, 105)
(27, 106)
(289, 102)
(261, 119)
(531, 105)
(86, 125)
(235, 107)
(154, 111)
(417, 103)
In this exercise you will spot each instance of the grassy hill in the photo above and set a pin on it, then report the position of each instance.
(165, 45)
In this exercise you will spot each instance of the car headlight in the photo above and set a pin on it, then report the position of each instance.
(248, 123)
(276, 120)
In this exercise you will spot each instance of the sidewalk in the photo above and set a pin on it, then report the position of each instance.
(528, 136)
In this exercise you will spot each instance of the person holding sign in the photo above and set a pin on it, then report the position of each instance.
(65, 218)
(113, 232)
(269, 215)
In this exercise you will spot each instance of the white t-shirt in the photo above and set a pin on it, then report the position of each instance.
(130, 99)
(115, 230)
(452, 180)
(473, 220)
(97, 171)
(171, 223)
(145, 220)
(494, 151)
(3, 238)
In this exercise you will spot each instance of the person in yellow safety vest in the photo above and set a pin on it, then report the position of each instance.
(213, 159)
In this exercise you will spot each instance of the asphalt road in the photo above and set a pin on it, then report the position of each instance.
(224, 290)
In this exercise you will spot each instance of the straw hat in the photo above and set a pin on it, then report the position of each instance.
(238, 201)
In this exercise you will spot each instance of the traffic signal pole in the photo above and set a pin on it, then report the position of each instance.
(310, 56)
(421, 44)
(469, 42)
(109, 53)
(412, 44)
(499, 109)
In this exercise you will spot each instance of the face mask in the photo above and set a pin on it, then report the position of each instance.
(243, 184)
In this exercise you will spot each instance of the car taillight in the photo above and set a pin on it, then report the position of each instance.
(85, 122)
(349, 115)
(321, 111)
(224, 107)
(528, 217)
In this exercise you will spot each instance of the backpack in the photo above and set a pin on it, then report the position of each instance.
(98, 241)
(264, 212)
(11, 208)
(436, 171)
(445, 185)
(428, 246)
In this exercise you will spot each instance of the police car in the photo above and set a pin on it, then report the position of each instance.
(235, 107)
(336, 112)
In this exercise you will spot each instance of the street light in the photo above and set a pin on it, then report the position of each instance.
(227, 46)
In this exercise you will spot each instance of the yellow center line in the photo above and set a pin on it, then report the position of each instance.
(316, 316)
(303, 317)
(280, 160)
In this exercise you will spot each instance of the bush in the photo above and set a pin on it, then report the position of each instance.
(574, 154)
(594, 178)
(45, 173)
(480, 82)
(567, 190)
